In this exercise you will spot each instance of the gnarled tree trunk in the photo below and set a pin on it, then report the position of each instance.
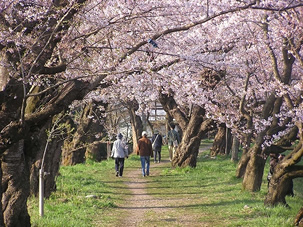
(222, 141)
(281, 181)
(73, 152)
(219, 141)
(187, 151)
(254, 171)
(193, 126)
(255, 166)
(278, 189)
(16, 179)
(16, 127)
(15, 186)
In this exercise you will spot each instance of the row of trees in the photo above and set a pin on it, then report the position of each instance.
(232, 63)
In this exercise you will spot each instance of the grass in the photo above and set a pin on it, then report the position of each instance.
(69, 206)
(209, 192)
(219, 196)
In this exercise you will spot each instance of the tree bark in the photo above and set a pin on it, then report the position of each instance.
(254, 171)
(35, 145)
(15, 132)
(219, 143)
(278, 189)
(15, 135)
(73, 152)
(271, 108)
(15, 186)
(96, 151)
(299, 218)
(1, 190)
(255, 167)
(193, 127)
(242, 165)
(228, 143)
(235, 149)
(136, 122)
(187, 151)
(284, 172)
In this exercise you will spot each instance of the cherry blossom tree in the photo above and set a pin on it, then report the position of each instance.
(232, 62)
(30, 31)
(259, 92)
(250, 95)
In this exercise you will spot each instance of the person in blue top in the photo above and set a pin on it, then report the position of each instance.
(157, 145)
(119, 152)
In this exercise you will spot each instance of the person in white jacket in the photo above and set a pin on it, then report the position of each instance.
(119, 152)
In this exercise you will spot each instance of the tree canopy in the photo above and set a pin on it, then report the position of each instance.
(233, 62)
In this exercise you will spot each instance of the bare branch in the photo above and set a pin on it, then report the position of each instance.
(184, 28)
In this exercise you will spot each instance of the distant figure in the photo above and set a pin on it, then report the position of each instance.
(144, 149)
(274, 160)
(157, 145)
(119, 152)
(173, 140)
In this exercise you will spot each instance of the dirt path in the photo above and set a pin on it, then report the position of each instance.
(144, 209)
(141, 202)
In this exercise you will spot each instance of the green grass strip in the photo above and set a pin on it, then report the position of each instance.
(210, 193)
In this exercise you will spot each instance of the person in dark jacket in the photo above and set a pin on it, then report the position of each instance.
(157, 145)
(144, 149)
(173, 139)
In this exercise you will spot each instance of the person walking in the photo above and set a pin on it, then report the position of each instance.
(119, 152)
(173, 139)
(157, 145)
(144, 149)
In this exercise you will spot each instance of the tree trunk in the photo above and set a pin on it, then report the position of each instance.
(73, 152)
(150, 124)
(1, 191)
(235, 149)
(15, 186)
(219, 141)
(299, 218)
(96, 151)
(228, 143)
(136, 122)
(254, 171)
(242, 165)
(36, 145)
(277, 191)
(193, 126)
(187, 151)
(15, 179)
(280, 183)
(245, 156)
